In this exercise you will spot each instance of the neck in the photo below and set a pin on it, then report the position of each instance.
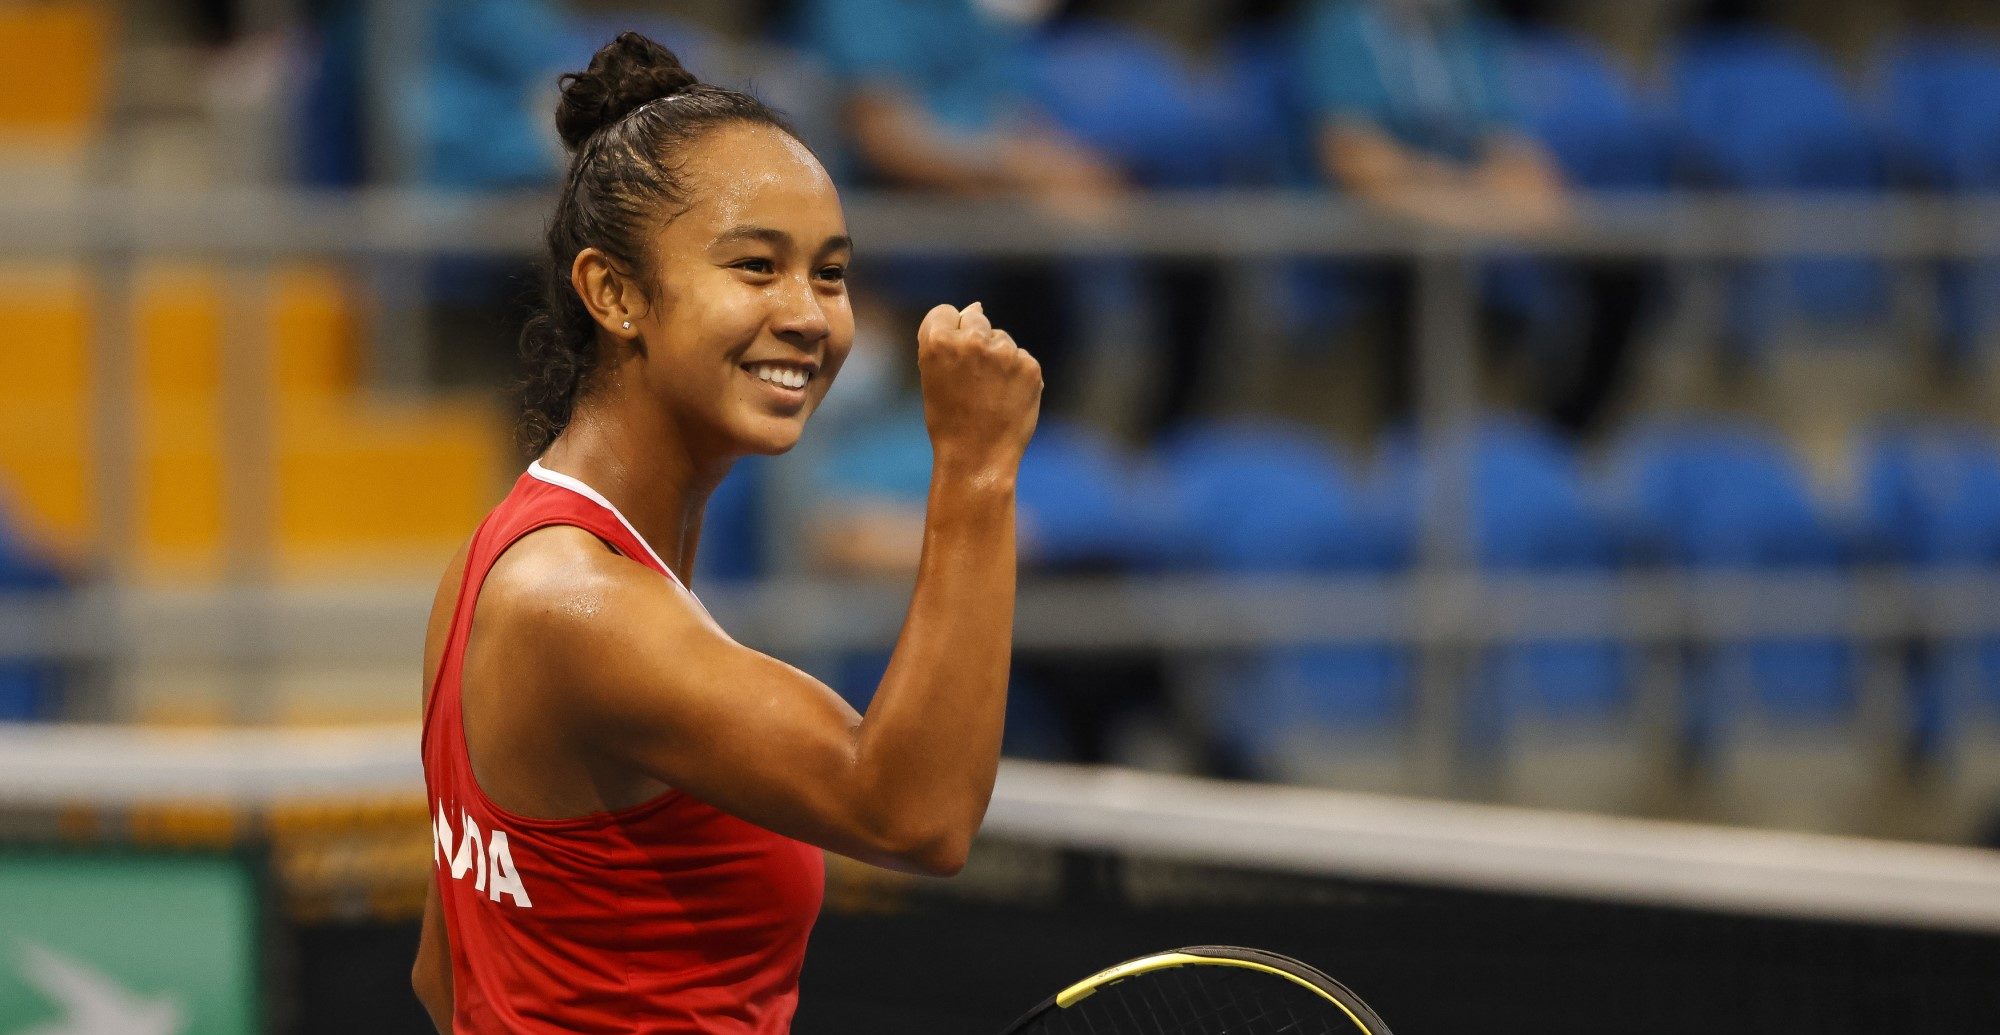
(647, 470)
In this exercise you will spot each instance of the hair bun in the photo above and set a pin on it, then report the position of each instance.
(626, 73)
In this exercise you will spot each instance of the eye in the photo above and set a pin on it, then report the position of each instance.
(761, 266)
(833, 274)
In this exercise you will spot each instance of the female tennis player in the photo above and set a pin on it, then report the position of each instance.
(629, 807)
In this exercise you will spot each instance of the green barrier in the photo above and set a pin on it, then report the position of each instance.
(128, 942)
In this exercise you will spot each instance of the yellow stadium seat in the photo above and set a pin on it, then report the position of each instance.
(48, 475)
(180, 326)
(354, 479)
(387, 481)
(55, 69)
(314, 332)
(45, 316)
(45, 451)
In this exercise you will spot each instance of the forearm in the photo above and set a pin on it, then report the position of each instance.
(1377, 169)
(930, 742)
(898, 141)
(1431, 192)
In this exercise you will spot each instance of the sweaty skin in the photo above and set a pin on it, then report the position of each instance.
(593, 684)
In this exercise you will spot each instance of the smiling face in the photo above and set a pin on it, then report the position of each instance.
(744, 318)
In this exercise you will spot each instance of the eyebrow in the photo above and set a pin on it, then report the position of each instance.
(778, 238)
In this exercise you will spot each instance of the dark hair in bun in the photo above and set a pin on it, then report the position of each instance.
(625, 120)
(630, 71)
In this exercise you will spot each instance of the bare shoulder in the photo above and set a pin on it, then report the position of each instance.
(560, 601)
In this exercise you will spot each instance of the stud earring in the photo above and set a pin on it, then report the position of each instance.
(627, 325)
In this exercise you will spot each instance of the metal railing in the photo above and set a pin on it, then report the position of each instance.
(1446, 605)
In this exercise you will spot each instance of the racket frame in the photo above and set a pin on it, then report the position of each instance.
(1365, 1020)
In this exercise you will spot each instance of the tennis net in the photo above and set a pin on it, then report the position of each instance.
(1446, 916)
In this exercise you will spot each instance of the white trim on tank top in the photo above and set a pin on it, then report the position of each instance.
(575, 485)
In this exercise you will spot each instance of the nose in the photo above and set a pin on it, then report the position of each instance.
(799, 316)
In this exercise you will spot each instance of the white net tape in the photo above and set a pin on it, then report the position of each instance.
(1246, 825)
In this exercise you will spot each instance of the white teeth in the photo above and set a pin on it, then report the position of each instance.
(777, 374)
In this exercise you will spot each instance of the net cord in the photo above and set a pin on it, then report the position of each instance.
(1260, 827)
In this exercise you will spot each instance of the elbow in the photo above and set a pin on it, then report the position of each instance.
(930, 850)
(942, 858)
(424, 982)
(927, 833)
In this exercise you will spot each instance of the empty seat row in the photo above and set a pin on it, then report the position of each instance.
(1700, 498)
(1761, 112)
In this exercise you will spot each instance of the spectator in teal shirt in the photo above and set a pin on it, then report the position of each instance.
(1419, 72)
(961, 68)
(934, 98)
(1410, 114)
(491, 79)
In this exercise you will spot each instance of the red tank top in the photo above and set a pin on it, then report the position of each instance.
(667, 917)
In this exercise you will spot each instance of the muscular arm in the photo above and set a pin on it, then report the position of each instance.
(637, 672)
(930, 742)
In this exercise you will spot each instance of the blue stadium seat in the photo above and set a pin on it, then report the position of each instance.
(1941, 97)
(732, 528)
(1938, 94)
(1270, 151)
(1603, 135)
(1764, 112)
(29, 687)
(1167, 123)
(1267, 498)
(1533, 514)
(1932, 497)
(1602, 131)
(1076, 508)
(1731, 498)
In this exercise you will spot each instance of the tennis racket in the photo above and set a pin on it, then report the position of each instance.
(1204, 990)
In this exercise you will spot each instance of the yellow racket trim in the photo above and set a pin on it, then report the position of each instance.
(1166, 960)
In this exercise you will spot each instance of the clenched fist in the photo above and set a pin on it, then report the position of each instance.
(982, 392)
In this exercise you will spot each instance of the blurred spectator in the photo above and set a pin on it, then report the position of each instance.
(1410, 113)
(493, 66)
(489, 88)
(866, 467)
(331, 151)
(935, 98)
(1170, 91)
(1176, 98)
(482, 122)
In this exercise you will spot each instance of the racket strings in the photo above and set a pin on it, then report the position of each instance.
(1198, 1001)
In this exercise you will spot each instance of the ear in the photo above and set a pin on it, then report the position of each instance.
(613, 300)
